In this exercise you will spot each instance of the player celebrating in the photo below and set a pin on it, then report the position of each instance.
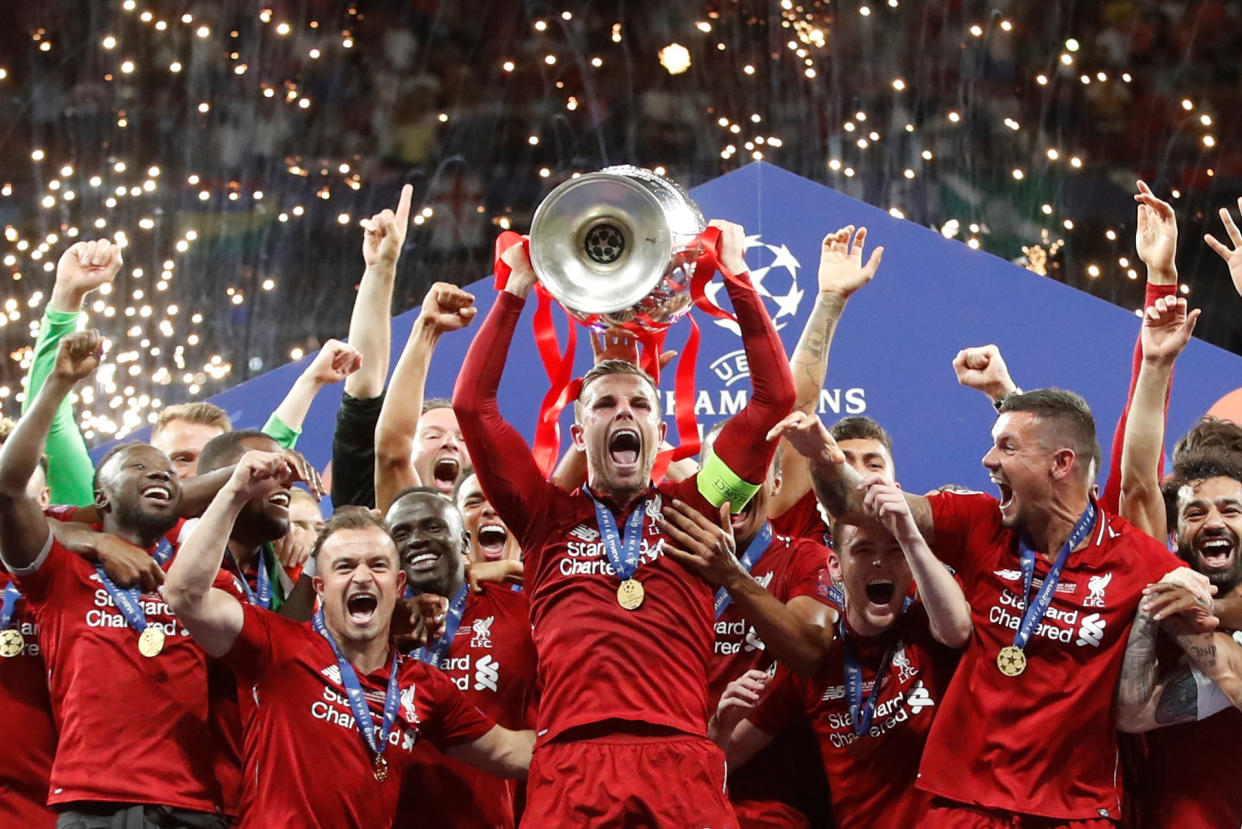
(322, 684)
(1026, 730)
(623, 632)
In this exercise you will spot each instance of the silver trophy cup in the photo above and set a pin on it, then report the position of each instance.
(617, 248)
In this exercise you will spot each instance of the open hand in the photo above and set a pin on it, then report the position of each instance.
(1155, 238)
(707, 547)
(841, 268)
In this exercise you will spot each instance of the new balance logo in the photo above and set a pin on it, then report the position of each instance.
(584, 533)
(486, 674)
(333, 673)
(764, 580)
(1008, 575)
(1092, 630)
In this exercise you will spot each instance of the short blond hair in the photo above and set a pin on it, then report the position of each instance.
(206, 414)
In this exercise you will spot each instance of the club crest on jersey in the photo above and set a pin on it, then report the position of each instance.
(482, 632)
(408, 712)
(584, 533)
(901, 663)
(1096, 586)
(655, 507)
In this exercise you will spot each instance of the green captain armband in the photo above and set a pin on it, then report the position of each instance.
(718, 483)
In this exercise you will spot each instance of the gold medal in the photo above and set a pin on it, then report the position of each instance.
(11, 642)
(630, 594)
(151, 642)
(1011, 660)
(380, 767)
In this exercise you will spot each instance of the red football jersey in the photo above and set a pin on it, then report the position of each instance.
(783, 772)
(871, 777)
(305, 761)
(30, 733)
(1042, 743)
(807, 518)
(492, 662)
(143, 720)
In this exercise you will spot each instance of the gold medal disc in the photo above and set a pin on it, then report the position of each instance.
(380, 766)
(151, 642)
(11, 642)
(630, 594)
(1011, 660)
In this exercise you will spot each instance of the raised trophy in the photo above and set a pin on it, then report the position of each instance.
(617, 248)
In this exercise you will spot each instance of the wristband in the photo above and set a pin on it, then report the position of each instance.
(996, 404)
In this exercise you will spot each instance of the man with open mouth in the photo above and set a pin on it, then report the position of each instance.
(485, 649)
(871, 707)
(1027, 730)
(623, 631)
(338, 684)
(490, 539)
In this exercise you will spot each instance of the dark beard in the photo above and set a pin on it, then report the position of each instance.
(145, 524)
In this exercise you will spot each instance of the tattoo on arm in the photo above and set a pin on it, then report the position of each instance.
(1179, 701)
(1204, 657)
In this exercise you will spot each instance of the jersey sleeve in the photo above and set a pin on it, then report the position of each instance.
(456, 720)
(285, 435)
(1155, 557)
(353, 451)
(963, 521)
(782, 706)
(808, 565)
(262, 643)
(38, 581)
(70, 472)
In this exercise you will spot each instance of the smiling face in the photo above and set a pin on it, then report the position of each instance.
(358, 583)
(138, 491)
(268, 519)
(619, 429)
(875, 577)
(1209, 524)
(1021, 467)
(439, 449)
(431, 544)
(490, 539)
(183, 442)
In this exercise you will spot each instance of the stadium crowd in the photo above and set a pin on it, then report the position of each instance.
(776, 635)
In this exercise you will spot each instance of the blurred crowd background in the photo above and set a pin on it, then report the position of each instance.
(234, 146)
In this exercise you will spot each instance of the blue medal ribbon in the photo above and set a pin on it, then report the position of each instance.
(128, 601)
(163, 551)
(263, 579)
(623, 554)
(376, 737)
(1035, 610)
(750, 557)
(8, 605)
(434, 655)
(861, 712)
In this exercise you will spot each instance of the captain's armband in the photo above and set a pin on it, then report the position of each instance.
(718, 483)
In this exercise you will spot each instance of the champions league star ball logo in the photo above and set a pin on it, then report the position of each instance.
(774, 273)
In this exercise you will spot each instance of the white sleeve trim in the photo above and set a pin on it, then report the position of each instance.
(1211, 699)
(187, 527)
(37, 563)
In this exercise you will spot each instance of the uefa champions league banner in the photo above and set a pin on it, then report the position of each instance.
(891, 357)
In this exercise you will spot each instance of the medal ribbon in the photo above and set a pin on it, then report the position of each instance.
(8, 605)
(622, 553)
(128, 601)
(861, 712)
(263, 579)
(433, 656)
(375, 736)
(750, 557)
(1035, 610)
(163, 551)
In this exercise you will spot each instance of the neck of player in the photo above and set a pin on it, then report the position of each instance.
(857, 619)
(446, 587)
(366, 655)
(245, 553)
(1053, 528)
(145, 540)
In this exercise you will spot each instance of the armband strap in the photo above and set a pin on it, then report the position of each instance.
(718, 483)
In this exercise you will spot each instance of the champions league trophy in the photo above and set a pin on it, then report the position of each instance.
(617, 248)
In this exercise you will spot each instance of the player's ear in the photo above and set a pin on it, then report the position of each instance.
(575, 432)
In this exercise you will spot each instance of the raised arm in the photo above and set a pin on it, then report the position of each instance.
(24, 532)
(370, 324)
(838, 486)
(214, 617)
(335, 362)
(772, 396)
(82, 268)
(445, 308)
(841, 273)
(946, 605)
(1166, 330)
(506, 468)
(983, 368)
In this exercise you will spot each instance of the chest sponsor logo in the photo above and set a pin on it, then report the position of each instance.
(734, 637)
(889, 714)
(333, 707)
(486, 674)
(1067, 626)
(105, 614)
(482, 629)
